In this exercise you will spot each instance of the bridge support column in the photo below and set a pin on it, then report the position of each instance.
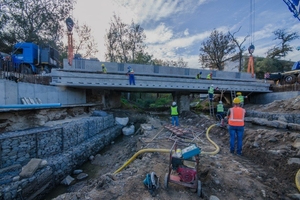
(183, 101)
(108, 99)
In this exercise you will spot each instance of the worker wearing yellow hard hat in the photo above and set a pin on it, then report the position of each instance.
(235, 116)
(241, 97)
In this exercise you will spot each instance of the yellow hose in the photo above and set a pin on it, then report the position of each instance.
(297, 179)
(138, 153)
(168, 151)
(217, 147)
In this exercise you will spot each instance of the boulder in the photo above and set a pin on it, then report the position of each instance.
(128, 130)
(122, 121)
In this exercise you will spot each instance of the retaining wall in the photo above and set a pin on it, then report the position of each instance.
(12, 92)
(64, 147)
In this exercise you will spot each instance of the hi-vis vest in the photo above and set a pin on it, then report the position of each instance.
(211, 90)
(174, 111)
(236, 117)
(220, 108)
(241, 98)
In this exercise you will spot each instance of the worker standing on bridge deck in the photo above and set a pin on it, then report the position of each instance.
(209, 76)
(174, 114)
(130, 72)
(235, 116)
(104, 70)
(199, 75)
(242, 98)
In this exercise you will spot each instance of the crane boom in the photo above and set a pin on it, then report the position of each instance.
(293, 6)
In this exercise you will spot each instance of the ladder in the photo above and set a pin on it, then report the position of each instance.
(211, 108)
(233, 95)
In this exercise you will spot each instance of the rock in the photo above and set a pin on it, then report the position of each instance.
(82, 176)
(296, 143)
(99, 113)
(122, 121)
(273, 139)
(97, 160)
(255, 144)
(294, 161)
(282, 118)
(77, 171)
(91, 158)
(146, 127)
(293, 126)
(67, 181)
(128, 130)
(16, 178)
(212, 197)
(277, 124)
(43, 163)
(31, 167)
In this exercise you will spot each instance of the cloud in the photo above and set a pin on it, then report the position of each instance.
(158, 35)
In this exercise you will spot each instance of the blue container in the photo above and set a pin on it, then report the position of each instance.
(190, 151)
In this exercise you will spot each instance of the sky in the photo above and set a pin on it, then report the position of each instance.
(176, 28)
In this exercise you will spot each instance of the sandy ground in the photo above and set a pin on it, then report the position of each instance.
(265, 170)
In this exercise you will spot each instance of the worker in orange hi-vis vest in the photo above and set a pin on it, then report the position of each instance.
(235, 116)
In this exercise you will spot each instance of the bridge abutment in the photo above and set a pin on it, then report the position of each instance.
(183, 101)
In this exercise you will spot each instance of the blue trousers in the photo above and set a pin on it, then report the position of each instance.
(131, 79)
(175, 120)
(236, 134)
(211, 96)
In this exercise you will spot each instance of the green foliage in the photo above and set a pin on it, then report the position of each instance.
(216, 50)
(263, 65)
(41, 22)
(283, 48)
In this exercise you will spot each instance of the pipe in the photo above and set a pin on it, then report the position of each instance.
(168, 151)
(44, 105)
(138, 153)
(217, 147)
(297, 179)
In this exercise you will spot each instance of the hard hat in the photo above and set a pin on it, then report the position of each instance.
(239, 93)
(220, 102)
(212, 85)
(174, 103)
(236, 100)
(102, 65)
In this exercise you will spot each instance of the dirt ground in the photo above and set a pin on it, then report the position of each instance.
(265, 170)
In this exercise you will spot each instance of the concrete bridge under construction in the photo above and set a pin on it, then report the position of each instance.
(69, 85)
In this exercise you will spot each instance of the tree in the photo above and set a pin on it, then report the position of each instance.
(240, 47)
(282, 49)
(84, 44)
(216, 50)
(124, 43)
(32, 21)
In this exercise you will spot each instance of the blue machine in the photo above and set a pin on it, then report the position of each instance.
(29, 58)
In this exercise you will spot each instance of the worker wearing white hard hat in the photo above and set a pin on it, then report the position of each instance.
(220, 111)
(211, 92)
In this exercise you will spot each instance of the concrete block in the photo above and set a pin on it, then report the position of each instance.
(31, 167)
